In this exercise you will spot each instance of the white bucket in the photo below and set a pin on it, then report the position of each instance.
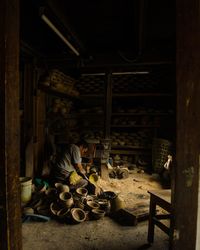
(26, 189)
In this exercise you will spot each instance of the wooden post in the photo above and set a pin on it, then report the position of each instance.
(188, 123)
(10, 223)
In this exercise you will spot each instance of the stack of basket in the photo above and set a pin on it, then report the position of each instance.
(58, 81)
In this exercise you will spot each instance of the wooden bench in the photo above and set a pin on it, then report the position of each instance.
(161, 198)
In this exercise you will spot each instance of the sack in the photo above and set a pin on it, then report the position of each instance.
(74, 178)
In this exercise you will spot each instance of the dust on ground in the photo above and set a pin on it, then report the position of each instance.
(134, 189)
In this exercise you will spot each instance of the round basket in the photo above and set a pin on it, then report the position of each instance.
(160, 151)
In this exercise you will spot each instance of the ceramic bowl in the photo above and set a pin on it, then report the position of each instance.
(79, 204)
(81, 192)
(61, 187)
(98, 213)
(109, 195)
(63, 213)
(28, 210)
(54, 208)
(92, 205)
(78, 215)
(91, 198)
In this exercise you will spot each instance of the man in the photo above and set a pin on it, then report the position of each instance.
(67, 167)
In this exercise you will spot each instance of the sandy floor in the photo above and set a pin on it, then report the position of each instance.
(102, 234)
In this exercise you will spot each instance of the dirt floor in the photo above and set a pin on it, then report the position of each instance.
(105, 233)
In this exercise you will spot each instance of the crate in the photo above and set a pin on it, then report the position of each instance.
(160, 150)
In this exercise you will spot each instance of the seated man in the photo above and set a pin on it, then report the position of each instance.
(67, 165)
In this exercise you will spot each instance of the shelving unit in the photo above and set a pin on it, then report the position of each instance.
(142, 108)
(90, 110)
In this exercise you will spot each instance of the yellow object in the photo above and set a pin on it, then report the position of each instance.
(74, 178)
(93, 178)
(26, 189)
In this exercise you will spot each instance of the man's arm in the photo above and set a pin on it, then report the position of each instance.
(80, 168)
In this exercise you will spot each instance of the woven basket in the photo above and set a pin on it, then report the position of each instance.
(160, 151)
(58, 77)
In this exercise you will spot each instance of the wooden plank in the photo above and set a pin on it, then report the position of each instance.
(10, 223)
(188, 124)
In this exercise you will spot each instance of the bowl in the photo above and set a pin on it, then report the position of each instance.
(63, 213)
(98, 213)
(61, 187)
(28, 210)
(93, 178)
(78, 215)
(79, 204)
(108, 195)
(54, 208)
(92, 205)
(81, 192)
(91, 198)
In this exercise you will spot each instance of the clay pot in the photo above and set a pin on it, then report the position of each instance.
(91, 198)
(98, 213)
(63, 213)
(78, 215)
(92, 205)
(116, 204)
(61, 187)
(109, 195)
(104, 205)
(54, 208)
(28, 210)
(67, 199)
(81, 192)
(51, 193)
(93, 178)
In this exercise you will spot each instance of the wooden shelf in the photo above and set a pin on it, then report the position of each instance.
(77, 115)
(50, 91)
(130, 147)
(130, 152)
(143, 95)
(92, 96)
(135, 126)
(138, 114)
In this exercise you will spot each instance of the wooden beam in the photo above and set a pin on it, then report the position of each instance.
(188, 123)
(10, 223)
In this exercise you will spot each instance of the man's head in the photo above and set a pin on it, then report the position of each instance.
(83, 145)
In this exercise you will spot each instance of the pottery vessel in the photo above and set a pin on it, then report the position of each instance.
(67, 199)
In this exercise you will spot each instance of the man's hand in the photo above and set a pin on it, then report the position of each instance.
(83, 172)
(80, 169)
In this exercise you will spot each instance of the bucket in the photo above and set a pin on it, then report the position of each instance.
(26, 189)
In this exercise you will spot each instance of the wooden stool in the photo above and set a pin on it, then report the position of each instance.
(161, 198)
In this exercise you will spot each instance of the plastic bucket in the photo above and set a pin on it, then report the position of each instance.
(26, 189)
